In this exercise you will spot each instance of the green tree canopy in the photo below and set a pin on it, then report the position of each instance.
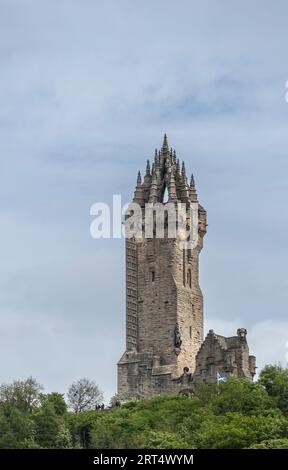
(275, 381)
(21, 394)
(58, 402)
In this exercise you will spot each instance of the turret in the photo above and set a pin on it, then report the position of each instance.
(192, 190)
(138, 194)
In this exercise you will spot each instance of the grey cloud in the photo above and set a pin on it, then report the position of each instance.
(87, 90)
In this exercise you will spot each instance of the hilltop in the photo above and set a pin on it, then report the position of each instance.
(232, 415)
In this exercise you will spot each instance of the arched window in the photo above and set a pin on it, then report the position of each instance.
(184, 268)
(152, 276)
(190, 331)
(189, 280)
(165, 196)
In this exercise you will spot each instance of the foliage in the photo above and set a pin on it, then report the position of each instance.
(80, 426)
(240, 396)
(51, 430)
(272, 444)
(235, 431)
(47, 426)
(275, 381)
(165, 440)
(23, 395)
(236, 414)
(58, 402)
(17, 430)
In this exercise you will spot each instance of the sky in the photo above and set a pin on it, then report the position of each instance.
(87, 90)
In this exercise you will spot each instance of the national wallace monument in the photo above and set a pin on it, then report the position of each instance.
(165, 349)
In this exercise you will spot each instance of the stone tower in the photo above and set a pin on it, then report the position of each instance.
(164, 303)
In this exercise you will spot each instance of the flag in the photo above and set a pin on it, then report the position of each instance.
(221, 378)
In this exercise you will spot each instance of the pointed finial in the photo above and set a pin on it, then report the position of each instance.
(154, 187)
(174, 157)
(139, 193)
(148, 168)
(183, 171)
(139, 180)
(165, 147)
(192, 190)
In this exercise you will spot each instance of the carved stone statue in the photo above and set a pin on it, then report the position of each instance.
(177, 338)
(242, 332)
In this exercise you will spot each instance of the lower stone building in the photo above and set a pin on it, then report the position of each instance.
(220, 357)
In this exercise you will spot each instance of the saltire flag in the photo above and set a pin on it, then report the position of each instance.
(221, 378)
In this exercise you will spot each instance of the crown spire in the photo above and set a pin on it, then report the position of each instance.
(165, 146)
(165, 169)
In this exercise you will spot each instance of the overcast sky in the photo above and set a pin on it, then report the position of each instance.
(87, 90)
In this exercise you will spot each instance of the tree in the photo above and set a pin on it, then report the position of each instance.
(63, 438)
(47, 426)
(238, 395)
(233, 430)
(7, 439)
(51, 429)
(84, 395)
(80, 426)
(21, 394)
(275, 381)
(22, 426)
(57, 401)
